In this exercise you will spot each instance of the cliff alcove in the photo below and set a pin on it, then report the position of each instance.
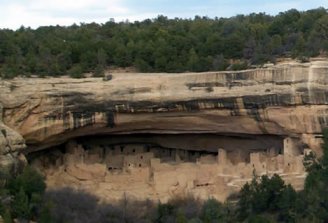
(161, 166)
(232, 122)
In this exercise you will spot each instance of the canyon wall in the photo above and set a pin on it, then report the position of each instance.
(287, 100)
(11, 146)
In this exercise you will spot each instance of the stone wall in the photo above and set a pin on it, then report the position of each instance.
(257, 107)
(115, 168)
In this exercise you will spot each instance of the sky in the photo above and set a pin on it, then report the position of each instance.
(35, 13)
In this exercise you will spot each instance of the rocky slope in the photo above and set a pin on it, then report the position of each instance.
(284, 100)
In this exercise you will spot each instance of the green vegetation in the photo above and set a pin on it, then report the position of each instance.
(263, 200)
(267, 199)
(164, 45)
(21, 196)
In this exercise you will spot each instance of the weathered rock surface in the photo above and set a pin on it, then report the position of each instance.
(286, 99)
(260, 107)
(11, 144)
(152, 172)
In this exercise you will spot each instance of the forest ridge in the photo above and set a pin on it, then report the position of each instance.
(163, 44)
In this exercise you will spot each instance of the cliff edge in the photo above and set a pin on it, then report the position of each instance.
(289, 100)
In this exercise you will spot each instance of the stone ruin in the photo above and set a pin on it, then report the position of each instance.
(245, 113)
(148, 171)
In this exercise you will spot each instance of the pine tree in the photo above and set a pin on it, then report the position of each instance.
(21, 206)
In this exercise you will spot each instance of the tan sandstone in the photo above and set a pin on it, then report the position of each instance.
(288, 101)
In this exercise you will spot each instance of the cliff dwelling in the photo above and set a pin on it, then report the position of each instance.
(166, 134)
(160, 167)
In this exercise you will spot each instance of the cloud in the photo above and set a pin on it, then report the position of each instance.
(81, 6)
(34, 13)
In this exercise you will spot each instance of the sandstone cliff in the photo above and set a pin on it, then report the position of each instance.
(283, 100)
(11, 144)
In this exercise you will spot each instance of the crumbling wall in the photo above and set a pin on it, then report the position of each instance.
(138, 160)
(158, 173)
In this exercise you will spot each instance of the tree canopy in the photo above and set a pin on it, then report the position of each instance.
(163, 44)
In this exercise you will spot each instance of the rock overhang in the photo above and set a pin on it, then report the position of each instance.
(287, 100)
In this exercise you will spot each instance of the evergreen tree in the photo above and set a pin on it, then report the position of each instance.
(163, 44)
(20, 206)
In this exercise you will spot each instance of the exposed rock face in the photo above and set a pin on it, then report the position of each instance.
(286, 100)
(11, 144)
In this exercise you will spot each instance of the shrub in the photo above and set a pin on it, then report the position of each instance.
(213, 211)
(269, 195)
(20, 205)
(26, 190)
(99, 71)
(30, 181)
(76, 71)
(238, 66)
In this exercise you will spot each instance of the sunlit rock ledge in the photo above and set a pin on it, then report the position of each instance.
(184, 111)
(286, 99)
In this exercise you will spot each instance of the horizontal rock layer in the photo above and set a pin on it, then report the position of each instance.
(284, 100)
